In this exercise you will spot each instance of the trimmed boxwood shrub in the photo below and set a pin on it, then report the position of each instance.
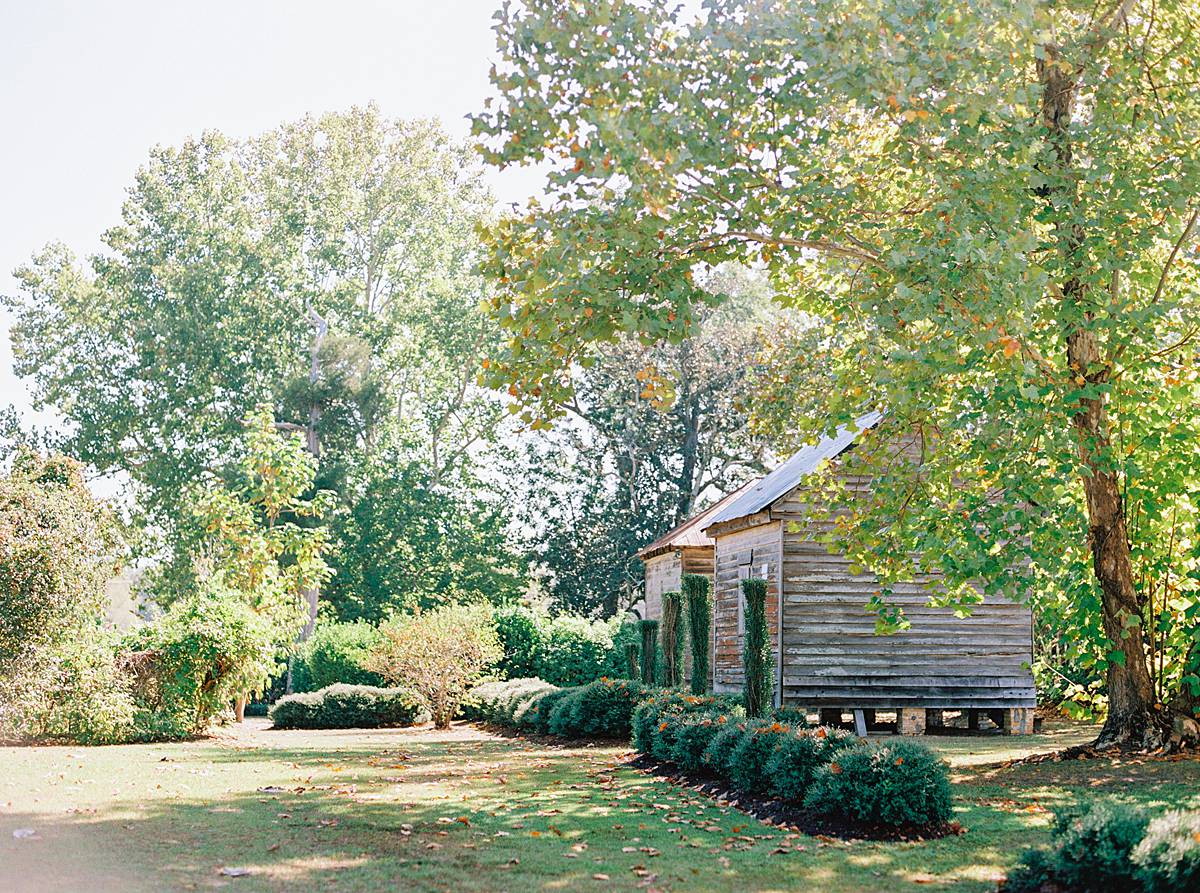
(693, 734)
(889, 783)
(658, 705)
(346, 707)
(541, 710)
(724, 743)
(748, 761)
(796, 759)
(1168, 857)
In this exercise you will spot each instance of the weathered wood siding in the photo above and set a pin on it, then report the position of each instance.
(739, 554)
(663, 573)
(832, 656)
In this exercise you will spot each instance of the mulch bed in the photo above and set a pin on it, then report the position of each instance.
(787, 815)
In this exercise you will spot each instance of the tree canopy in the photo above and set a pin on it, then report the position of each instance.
(988, 214)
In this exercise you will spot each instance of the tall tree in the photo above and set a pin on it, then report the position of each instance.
(988, 211)
(324, 268)
(650, 432)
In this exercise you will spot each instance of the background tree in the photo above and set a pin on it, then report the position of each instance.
(324, 269)
(253, 542)
(651, 431)
(989, 214)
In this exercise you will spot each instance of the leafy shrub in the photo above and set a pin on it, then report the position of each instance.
(749, 760)
(697, 591)
(87, 697)
(57, 550)
(575, 650)
(437, 656)
(1093, 847)
(796, 758)
(335, 652)
(1168, 857)
(604, 708)
(756, 648)
(890, 783)
(694, 733)
(342, 706)
(1032, 873)
(519, 630)
(720, 750)
(1091, 850)
(188, 667)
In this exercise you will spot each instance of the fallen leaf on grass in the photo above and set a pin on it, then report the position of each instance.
(600, 877)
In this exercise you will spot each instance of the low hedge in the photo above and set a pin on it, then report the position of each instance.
(601, 709)
(827, 770)
(1109, 846)
(344, 706)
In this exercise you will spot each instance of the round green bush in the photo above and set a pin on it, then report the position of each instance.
(1168, 856)
(1094, 846)
(796, 759)
(541, 712)
(890, 783)
(692, 737)
(721, 748)
(748, 762)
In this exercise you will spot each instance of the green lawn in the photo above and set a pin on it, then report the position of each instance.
(467, 810)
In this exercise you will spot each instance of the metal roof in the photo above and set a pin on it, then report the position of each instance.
(690, 533)
(784, 478)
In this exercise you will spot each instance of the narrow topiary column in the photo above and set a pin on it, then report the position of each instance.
(631, 660)
(756, 649)
(649, 649)
(698, 591)
(672, 639)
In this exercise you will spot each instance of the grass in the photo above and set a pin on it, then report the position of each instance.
(465, 810)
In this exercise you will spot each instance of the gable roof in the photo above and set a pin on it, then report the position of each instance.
(783, 479)
(690, 533)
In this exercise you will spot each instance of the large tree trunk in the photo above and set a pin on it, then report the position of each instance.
(1133, 718)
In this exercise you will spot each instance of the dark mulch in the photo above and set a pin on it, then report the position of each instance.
(787, 815)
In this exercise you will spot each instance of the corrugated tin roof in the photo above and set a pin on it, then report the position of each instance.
(690, 532)
(790, 473)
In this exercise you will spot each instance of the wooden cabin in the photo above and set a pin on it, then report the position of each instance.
(828, 656)
(684, 550)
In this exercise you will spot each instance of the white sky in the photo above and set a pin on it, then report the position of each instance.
(87, 88)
